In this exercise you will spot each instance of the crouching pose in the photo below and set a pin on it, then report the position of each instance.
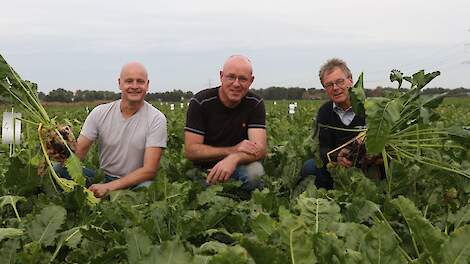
(131, 135)
(225, 132)
(336, 78)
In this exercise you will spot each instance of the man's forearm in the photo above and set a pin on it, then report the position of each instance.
(245, 158)
(203, 152)
(136, 177)
(82, 147)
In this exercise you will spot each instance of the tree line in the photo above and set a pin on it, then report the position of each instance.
(63, 95)
(270, 93)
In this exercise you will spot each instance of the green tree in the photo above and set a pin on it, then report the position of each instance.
(59, 95)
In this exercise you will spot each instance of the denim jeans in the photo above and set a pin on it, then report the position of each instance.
(249, 175)
(322, 176)
(91, 174)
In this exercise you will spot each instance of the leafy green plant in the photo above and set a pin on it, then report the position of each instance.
(400, 129)
(52, 136)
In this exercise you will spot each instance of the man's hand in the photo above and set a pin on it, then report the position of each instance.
(248, 147)
(342, 158)
(222, 171)
(99, 189)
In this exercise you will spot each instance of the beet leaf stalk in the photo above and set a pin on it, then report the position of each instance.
(400, 126)
(53, 137)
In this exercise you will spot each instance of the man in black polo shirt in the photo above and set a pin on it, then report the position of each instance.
(336, 78)
(225, 130)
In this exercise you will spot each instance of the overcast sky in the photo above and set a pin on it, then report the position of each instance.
(83, 44)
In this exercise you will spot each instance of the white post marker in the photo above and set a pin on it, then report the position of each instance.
(181, 105)
(291, 109)
(11, 128)
(274, 103)
(172, 107)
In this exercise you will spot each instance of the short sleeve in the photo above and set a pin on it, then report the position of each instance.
(258, 117)
(157, 135)
(194, 118)
(90, 126)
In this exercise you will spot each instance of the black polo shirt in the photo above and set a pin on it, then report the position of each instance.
(222, 126)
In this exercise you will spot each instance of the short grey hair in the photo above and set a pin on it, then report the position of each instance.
(330, 65)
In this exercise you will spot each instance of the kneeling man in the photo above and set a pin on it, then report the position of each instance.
(225, 130)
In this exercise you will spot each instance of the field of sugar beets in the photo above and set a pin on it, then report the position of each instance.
(419, 214)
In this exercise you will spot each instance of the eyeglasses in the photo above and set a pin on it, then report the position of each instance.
(340, 83)
(232, 78)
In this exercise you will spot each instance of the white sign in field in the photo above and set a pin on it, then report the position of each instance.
(11, 128)
(292, 109)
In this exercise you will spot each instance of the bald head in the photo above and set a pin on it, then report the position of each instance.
(236, 78)
(134, 67)
(238, 61)
(133, 83)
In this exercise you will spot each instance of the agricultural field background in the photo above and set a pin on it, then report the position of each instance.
(423, 216)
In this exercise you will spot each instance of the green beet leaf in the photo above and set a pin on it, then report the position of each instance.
(8, 251)
(396, 76)
(263, 226)
(74, 168)
(360, 210)
(351, 233)
(23, 92)
(12, 200)
(461, 217)
(264, 253)
(45, 226)
(301, 247)
(139, 244)
(232, 255)
(318, 214)
(211, 248)
(9, 232)
(457, 249)
(381, 114)
(329, 249)
(381, 246)
(168, 252)
(420, 79)
(357, 96)
(460, 135)
(71, 238)
(427, 236)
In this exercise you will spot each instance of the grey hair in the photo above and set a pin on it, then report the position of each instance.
(330, 65)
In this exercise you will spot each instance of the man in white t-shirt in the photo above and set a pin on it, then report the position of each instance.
(131, 135)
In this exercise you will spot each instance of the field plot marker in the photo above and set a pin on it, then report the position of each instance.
(292, 109)
(11, 129)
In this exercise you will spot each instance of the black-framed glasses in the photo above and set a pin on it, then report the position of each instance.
(339, 82)
(232, 78)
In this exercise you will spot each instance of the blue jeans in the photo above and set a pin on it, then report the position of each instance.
(91, 174)
(322, 176)
(249, 175)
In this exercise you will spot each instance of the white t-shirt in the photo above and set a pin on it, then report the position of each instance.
(122, 142)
